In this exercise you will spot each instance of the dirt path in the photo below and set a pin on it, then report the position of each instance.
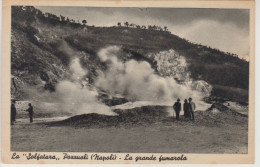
(40, 120)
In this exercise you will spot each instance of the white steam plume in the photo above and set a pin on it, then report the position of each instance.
(75, 98)
(77, 72)
(78, 98)
(137, 81)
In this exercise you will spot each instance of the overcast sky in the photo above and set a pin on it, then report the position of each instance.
(225, 29)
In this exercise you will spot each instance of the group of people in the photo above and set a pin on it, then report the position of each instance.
(188, 108)
(13, 112)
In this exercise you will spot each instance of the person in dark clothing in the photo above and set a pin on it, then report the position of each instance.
(13, 113)
(177, 109)
(186, 109)
(30, 110)
(192, 108)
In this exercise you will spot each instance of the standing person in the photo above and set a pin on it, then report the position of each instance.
(192, 108)
(13, 113)
(30, 110)
(186, 109)
(177, 108)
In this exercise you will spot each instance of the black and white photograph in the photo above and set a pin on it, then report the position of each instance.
(135, 80)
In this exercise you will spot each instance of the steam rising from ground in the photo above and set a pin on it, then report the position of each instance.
(72, 96)
(78, 98)
(137, 81)
(133, 80)
(77, 72)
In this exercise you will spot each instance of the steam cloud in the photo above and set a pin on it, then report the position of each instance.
(72, 96)
(133, 80)
(76, 97)
(137, 81)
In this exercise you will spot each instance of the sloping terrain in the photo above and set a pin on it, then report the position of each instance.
(217, 115)
(146, 115)
(44, 44)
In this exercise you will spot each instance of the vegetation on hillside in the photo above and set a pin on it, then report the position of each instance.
(42, 46)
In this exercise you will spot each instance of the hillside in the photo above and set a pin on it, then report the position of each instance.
(44, 44)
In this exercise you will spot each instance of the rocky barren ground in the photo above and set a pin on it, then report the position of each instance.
(140, 130)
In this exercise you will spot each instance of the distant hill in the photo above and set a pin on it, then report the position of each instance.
(43, 44)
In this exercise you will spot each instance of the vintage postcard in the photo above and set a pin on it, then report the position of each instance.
(127, 82)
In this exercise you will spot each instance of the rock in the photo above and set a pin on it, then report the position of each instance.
(201, 86)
